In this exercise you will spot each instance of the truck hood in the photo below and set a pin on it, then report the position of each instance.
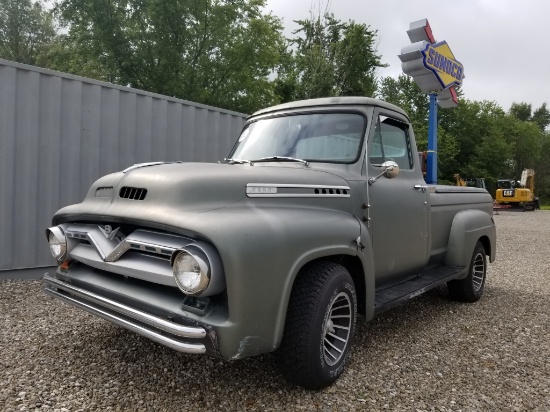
(202, 187)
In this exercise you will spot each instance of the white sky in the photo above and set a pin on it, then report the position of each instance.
(504, 45)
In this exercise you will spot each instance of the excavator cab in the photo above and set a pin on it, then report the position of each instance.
(506, 184)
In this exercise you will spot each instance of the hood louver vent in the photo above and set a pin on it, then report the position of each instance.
(132, 193)
(331, 191)
(104, 192)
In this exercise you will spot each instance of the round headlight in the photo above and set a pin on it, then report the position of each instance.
(190, 273)
(58, 243)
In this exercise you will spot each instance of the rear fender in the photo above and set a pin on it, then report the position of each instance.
(467, 228)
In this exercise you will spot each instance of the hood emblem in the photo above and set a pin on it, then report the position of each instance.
(108, 231)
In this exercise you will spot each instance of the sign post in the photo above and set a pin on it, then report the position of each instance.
(431, 160)
(436, 71)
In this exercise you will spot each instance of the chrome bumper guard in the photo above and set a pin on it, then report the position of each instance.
(137, 321)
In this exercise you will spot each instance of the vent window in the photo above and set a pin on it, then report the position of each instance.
(132, 193)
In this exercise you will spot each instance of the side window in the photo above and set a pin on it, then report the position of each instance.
(391, 142)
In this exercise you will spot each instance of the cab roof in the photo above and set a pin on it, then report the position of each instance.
(332, 101)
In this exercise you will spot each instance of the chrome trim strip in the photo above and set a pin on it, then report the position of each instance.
(143, 247)
(159, 323)
(250, 192)
(93, 241)
(293, 195)
(138, 165)
(118, 251)
(298, 186)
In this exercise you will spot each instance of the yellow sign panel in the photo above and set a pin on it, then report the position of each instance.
(439, 59)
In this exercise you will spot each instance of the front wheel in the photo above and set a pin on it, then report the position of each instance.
(320, 326)
(471, 288)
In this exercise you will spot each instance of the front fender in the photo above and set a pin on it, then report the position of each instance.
(365, 257)
(467, 228)
(263, 250)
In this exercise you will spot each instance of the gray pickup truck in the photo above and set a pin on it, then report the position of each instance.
(320, 214)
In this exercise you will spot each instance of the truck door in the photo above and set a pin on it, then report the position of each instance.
(398, 209)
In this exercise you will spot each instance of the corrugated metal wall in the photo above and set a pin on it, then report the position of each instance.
(59, 133)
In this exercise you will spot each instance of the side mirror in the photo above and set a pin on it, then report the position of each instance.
(391, 169)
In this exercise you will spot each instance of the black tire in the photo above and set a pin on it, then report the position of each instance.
(471, 287)
(320, 326)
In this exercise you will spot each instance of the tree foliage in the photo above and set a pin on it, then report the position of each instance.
(210, 51)
(329, 58)
(522, 111)
(541, 117)
(26, 31)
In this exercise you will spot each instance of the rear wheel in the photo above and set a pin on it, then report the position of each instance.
(471, 288)
(320, 326)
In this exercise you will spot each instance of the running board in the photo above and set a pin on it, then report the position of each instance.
(395, 295)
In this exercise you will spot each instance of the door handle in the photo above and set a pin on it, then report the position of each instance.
(421, 188)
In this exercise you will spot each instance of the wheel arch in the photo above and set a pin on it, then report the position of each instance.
(486, 242)
(356, 263)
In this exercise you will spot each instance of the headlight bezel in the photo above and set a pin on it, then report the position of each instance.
(57, 233)
(192, 257)
(212, 267)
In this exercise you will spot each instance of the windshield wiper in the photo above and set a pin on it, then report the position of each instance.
(238, 161)
(281, 159)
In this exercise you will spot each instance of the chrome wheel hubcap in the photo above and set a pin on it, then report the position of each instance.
(337, 329)
(478, 272)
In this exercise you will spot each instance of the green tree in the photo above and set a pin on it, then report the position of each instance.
(209, 51)
(329, 58)
(521, 111)
(470, 124)
(526, 140)
(542, 170)
(541, 117)
(26, 31)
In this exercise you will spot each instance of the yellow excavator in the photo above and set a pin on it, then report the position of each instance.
(470, 182)
(518, 193)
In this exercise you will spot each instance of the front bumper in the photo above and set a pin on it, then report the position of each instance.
(158, 317)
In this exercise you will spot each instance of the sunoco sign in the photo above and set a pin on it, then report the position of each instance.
(440, 60)
(432, 64)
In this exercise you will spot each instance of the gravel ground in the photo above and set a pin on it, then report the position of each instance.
(429, 355)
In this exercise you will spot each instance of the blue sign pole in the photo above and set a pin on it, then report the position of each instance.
(431, 161)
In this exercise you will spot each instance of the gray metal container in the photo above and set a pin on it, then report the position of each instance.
(59, 133)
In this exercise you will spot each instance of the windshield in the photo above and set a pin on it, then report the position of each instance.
(505, 184)
(316, 137)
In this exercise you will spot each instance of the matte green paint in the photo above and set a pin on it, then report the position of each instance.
(264, 242)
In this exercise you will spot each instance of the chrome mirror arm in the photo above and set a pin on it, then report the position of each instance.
(391, 169)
